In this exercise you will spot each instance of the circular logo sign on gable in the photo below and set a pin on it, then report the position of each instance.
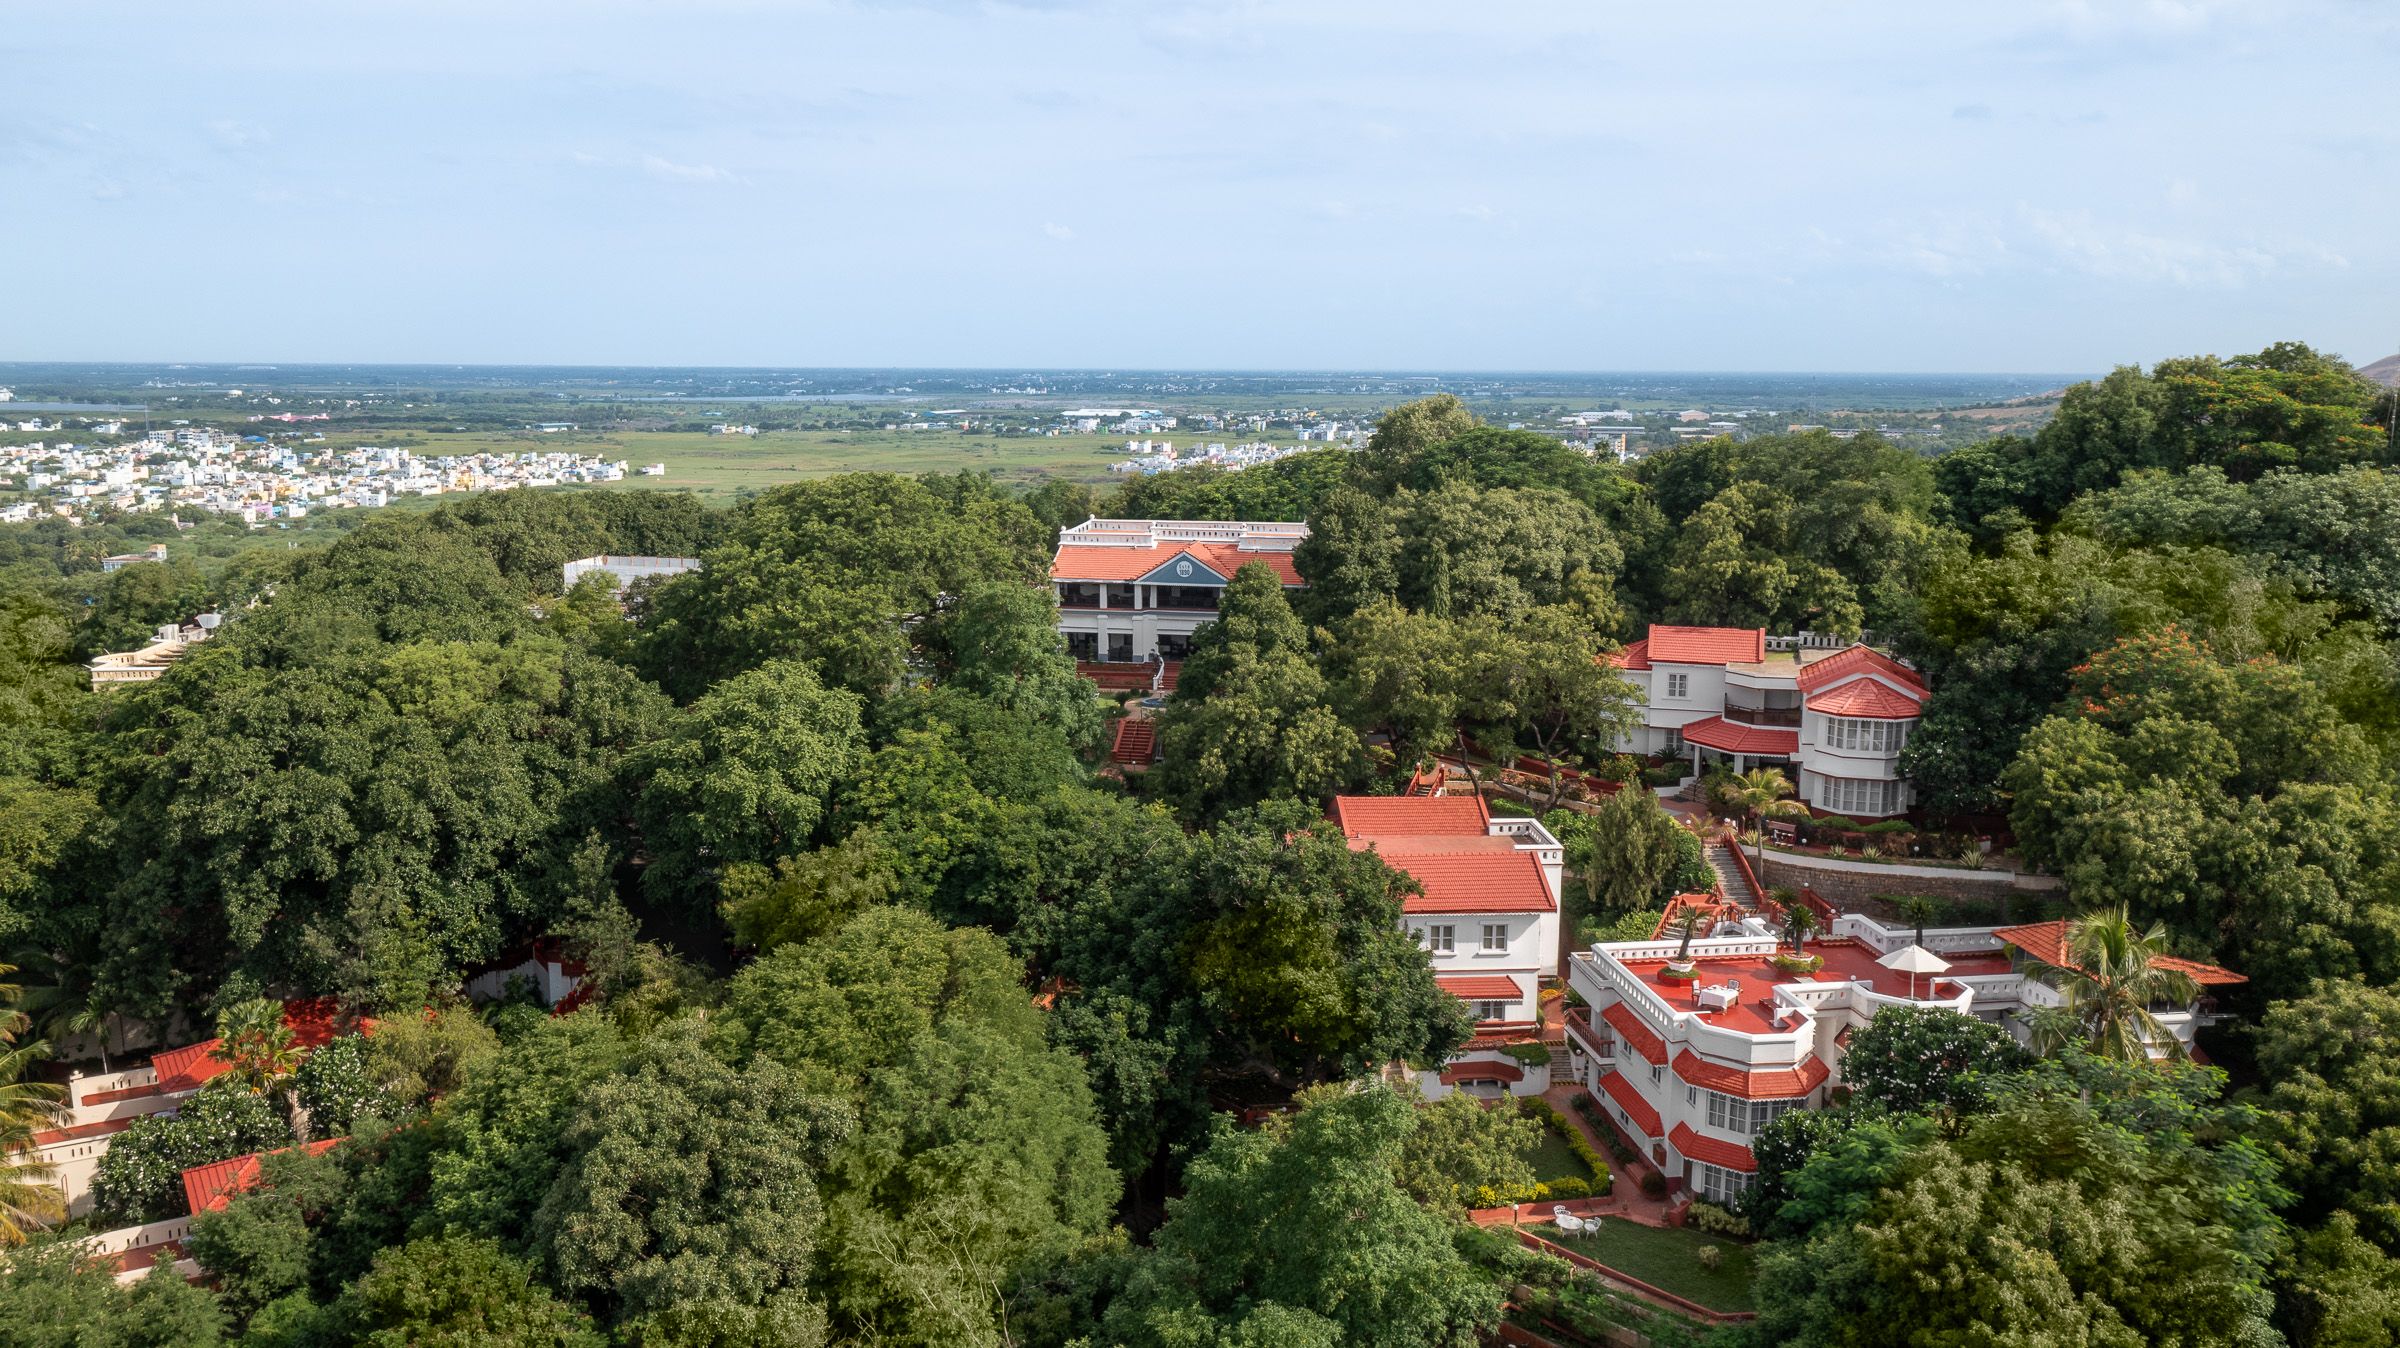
(1183, 570)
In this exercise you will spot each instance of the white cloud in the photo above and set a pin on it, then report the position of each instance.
(235, 135)
(671, 171)
(1057, 231)
(2120, 253)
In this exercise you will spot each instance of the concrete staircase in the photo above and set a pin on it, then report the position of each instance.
(1729, 877)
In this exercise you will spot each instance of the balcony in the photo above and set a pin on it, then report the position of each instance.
(1780, 718)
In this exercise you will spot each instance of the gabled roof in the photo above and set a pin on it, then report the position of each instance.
(1481, 987)
(314, 1023)
(1185, 568)
(1735, 738)
(1860, 658)
(1635, 656)
(1636, 1036)
(1696, 1146)
(1474, 882)
(206, 1188)
(1104, 563)
(2047, 942)
(1412, 816)
(1706, 645)
(1629, 1098)
(1867, 699)
(1774, 1084)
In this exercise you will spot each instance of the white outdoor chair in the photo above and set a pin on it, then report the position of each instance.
(1567, 1221)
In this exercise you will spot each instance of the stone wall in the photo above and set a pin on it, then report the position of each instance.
(1847, 886)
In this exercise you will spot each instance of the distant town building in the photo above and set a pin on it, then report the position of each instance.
(156, 552)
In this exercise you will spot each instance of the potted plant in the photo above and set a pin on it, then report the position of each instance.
(1687, 925)
(1799, 922)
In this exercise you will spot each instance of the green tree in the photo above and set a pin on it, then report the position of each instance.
(257, 1247)
(1460, 1145)
(503, 1132)
(834, 573)
(53, 1296)
(1250, 719)
(745, 774)
(1635, 856)
(809, 895)
(1351, 557)
(999, 641)
(411, 1060)
(1305, 1222)
(29, 1193)
(2333, 1092)
(456, 1293)
(689, 1205)
(2338, 1290)
(1925, 1059)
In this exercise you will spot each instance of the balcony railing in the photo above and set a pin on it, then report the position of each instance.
(1787, 718)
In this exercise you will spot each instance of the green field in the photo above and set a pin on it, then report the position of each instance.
(721, 467)
(1667, 1258)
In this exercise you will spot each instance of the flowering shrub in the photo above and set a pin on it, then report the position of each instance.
(1716, 1221)
(332, 1086)
(141, 1177)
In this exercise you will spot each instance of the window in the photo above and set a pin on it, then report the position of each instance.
(1679, 685)
(1491, 1010)
(1865, 737)
(1719, 1185)
(1083, 645)
(1441, 940)
(1732, 1114)
(1658, 1072)
(1853, 796)
(1495, 938)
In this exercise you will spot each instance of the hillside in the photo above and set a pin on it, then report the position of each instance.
(2385, 371)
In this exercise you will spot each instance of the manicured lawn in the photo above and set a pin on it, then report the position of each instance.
(1665, 1258)
(1552, 1160)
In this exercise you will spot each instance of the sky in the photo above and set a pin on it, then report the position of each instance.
(1303, 184)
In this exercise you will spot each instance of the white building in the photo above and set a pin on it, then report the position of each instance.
(625, 570)
(1134, 591)
(1835, 719)
(1488, 916)
(167, 646)
(1690, 1068)
(156, 552)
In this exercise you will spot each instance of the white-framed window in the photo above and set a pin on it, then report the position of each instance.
(1733, 1114)
(1719, 1185)
(1488, 1010)
(1495, 938)
(1857, 796)
(1441, 938)
(1658, 1072)
(1865, 737)
(1679, 685)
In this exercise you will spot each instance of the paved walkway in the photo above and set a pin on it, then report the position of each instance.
(1625, 1197)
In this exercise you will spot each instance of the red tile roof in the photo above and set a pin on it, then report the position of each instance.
(1629, 1098)
(1734, 738)
(51, 1137)
(206, 1188)
(1774, 1084)
(314, 1022)
(1083, 561)
(1462, 816)
(2047, 942)
(1858, 659)
(1636, 1036)
(1474, 882)
(1867, 699)
(1695, 1147)
(1635, 656)
(1481, 987)
(1481, 1071)
(1706, 645)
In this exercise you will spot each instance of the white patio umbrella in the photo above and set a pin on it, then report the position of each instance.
(1913, 960)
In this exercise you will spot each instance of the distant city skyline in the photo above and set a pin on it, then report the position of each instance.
(1312, 185)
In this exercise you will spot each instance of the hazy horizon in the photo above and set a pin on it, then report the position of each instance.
(1200, 184)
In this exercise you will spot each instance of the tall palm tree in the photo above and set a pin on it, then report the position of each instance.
(1756, 793)
(1799, 923)
(1917, 910)
(29, 1192)
(2109, 975)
